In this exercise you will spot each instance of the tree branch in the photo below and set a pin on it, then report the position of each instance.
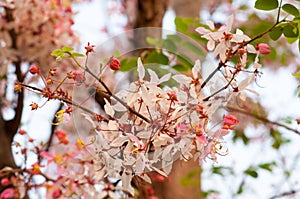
(284, 194)
(262, 119)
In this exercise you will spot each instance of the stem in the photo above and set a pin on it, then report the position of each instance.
(221, 64)
(278, 14)
(117, 98)
(263, 119)
(62, 99)
(108, 90)
(221, 89)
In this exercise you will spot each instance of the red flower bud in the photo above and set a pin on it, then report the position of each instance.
(22, 132)
(5, 182)
(89, 48)
(114, 63)
(56, 194)
(263, 48)
(34, 69)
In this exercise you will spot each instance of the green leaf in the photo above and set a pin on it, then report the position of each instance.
(290, 31)
(155, 42)
(169, 45)
(193, 48)
(240, 134)
(291, 40)
(185, 61)
(77, 55)
(276, 33)
(181, 26)
(180, 68)
(251, 172)
(2, 77)
(267, 166)
(266, 4)
(278, 139)
(57, 53)
(155, 57)
(174, 38)
(297, 74)
(289, 8)
(299, 45)
(296, 19)
(67, 49)
(128, 63)
(59, 58)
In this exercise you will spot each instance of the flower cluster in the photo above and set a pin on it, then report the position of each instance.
(157, 126)
(76, 172)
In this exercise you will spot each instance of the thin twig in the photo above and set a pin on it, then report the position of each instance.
(284, 194)
(221, 89)
(262, 119)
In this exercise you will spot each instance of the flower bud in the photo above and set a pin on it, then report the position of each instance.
(7, 193)
(263, 48)
(114, 63)
(5, 182)
(89, 48)
(34, 69)
(56, 194)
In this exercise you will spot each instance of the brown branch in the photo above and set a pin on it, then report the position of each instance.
(221, 89)
(117, 98)
(221, 64)
(284, 194)
(62, 99)
(262, 119)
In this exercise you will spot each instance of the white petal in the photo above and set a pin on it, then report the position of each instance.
(165, 78)
(210, 24)
(182, 79)
(229, 23)
(211, 45)
(246, 82)
(146, 178)
(153, 76)
(140, 69)
(196, 69)
(251, 49)
(140, 164)
(119, 141)
(202, 30)
(108, 108)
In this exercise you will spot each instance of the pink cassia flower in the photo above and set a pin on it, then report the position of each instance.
(263, 48)
(8, 193)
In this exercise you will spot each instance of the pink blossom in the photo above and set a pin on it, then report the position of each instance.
(78, 76)
(202, 139)
(8, 193)
(230, 122)
(263, 48)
